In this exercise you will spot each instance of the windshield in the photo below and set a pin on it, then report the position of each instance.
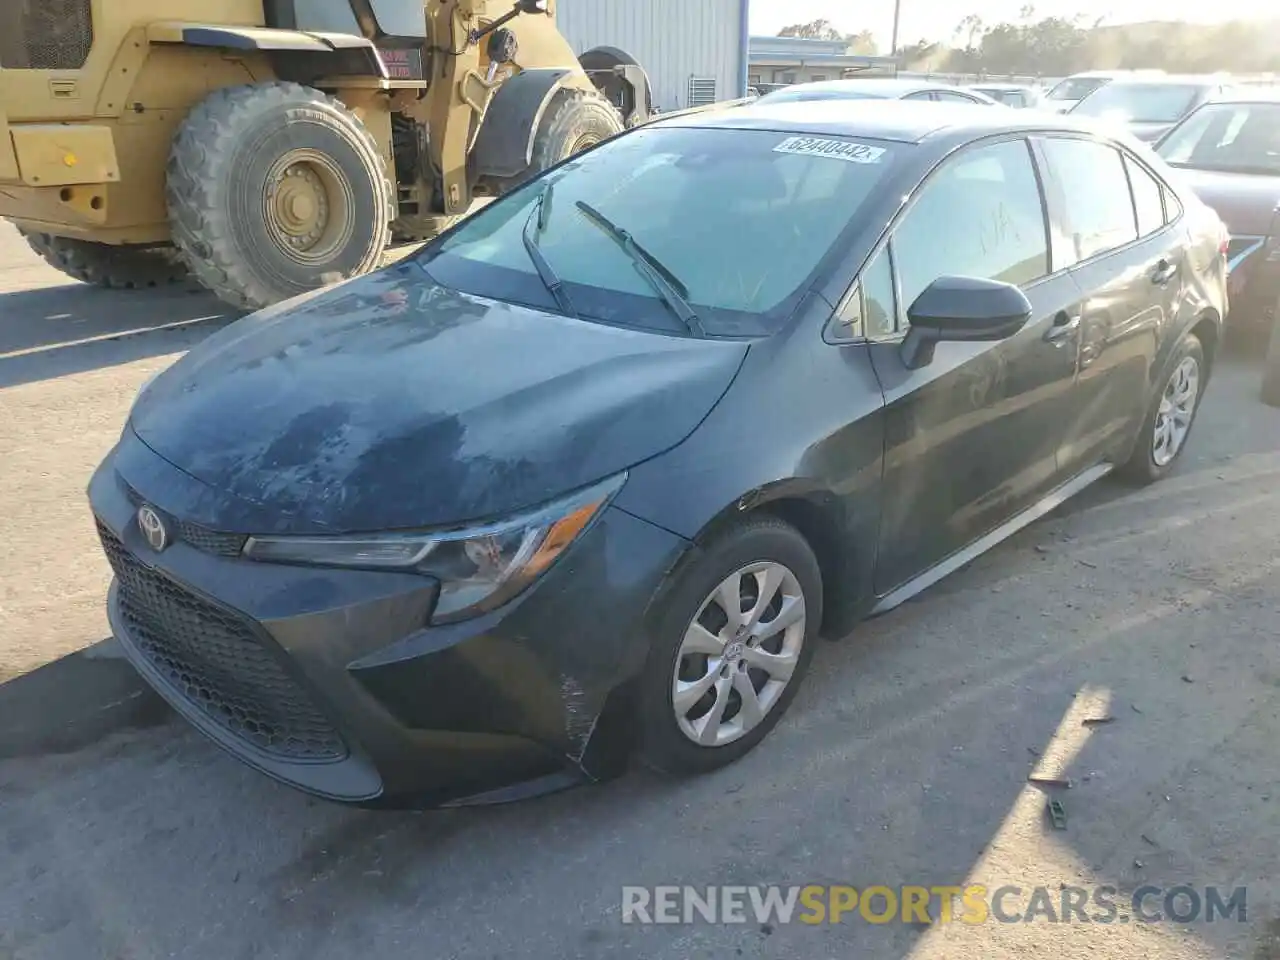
(1232, 137)
(1139, 102)
(1077, 88)
(742, 219)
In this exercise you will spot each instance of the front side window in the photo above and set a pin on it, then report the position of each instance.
(1228, 137)
(1095, 190)
(742, 220)
(980, 215)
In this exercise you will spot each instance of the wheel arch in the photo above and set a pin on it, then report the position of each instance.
(623, 81)
(1208, 329)
(817, 514)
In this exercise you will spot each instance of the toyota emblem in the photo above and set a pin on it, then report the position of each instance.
(153, 528)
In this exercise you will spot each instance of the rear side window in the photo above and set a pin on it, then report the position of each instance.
(1095, 188)
(1147, 200)
(980, 215)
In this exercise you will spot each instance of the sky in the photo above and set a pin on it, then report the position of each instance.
(936, 19)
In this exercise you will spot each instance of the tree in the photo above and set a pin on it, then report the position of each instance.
(863, 43)
(814, 30)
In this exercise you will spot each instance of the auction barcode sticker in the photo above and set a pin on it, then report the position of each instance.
(835, 149)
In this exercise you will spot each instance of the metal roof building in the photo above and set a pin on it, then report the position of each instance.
(798, 60)
(694, 51)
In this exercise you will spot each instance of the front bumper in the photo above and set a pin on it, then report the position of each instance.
(332, 682)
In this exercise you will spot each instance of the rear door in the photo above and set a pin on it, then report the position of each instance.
(971, 438)
(1129, 264)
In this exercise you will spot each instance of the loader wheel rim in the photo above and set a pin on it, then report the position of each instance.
(308, 207)
(582, 143)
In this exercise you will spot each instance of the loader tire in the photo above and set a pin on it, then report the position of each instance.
(275, 189)
(574, 121)
(108, 265)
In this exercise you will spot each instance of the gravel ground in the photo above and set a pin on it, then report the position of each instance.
(903, 761)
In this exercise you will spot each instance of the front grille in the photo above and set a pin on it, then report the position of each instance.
(218, 662)
(202, 538)
(45, 34)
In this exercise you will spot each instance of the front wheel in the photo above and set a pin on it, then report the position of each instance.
(1171, 416)
(732, 646)
(275, 189)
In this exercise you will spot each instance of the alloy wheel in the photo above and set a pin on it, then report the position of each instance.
(1177, 408)
(738, 654)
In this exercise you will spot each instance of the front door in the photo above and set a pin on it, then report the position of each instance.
(972, 438)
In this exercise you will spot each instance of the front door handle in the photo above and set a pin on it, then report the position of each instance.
(1064, 326)
(1164, 272)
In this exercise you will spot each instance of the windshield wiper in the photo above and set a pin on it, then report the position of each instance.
(672, 292)
(550, 279)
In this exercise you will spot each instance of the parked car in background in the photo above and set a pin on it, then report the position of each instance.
(1065, 94)
(1229, 153)
(887, 88)
(1017, 95)
(1149, 106)
(594, 468)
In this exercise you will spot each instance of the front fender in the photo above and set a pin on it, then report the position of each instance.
(504, 145)
(350, 49)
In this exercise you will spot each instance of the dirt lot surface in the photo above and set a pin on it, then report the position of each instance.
(903, 761)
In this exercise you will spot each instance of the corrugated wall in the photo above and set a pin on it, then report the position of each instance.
(674, 40)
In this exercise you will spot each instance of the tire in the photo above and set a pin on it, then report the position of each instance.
(1144, 466)
(250, 250)
(665, 739)
(573, 121)
(108, 265)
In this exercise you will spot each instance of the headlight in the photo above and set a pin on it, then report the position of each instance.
(478, 567)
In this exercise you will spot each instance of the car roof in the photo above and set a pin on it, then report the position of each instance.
(1170, 80)
(1018, 87)
(890, 85)
(1264, 95)
(904, 121)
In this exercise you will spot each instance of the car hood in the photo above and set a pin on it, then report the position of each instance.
(391, 402)
(1245, 202)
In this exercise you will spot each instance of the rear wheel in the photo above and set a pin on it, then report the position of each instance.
(276, 189)
(732, 646)
(1172, 414)
(107, 265)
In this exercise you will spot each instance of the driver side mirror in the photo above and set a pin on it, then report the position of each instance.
(962, 309)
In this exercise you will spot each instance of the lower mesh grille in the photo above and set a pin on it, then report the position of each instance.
(218, 662)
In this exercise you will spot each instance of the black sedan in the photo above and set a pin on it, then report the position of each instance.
(1228, 152)
(595, 469)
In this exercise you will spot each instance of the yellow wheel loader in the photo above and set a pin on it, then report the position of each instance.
(267, 147)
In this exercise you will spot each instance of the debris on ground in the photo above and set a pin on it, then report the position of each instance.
(1050, 781)
(1097, 721)
(1058, 814)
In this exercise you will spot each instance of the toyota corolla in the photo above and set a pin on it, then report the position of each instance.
(587, 477)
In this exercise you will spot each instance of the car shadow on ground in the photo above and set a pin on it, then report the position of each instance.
(56, 331)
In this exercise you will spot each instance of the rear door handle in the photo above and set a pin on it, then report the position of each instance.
(1164, 272)
(1064, 326)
